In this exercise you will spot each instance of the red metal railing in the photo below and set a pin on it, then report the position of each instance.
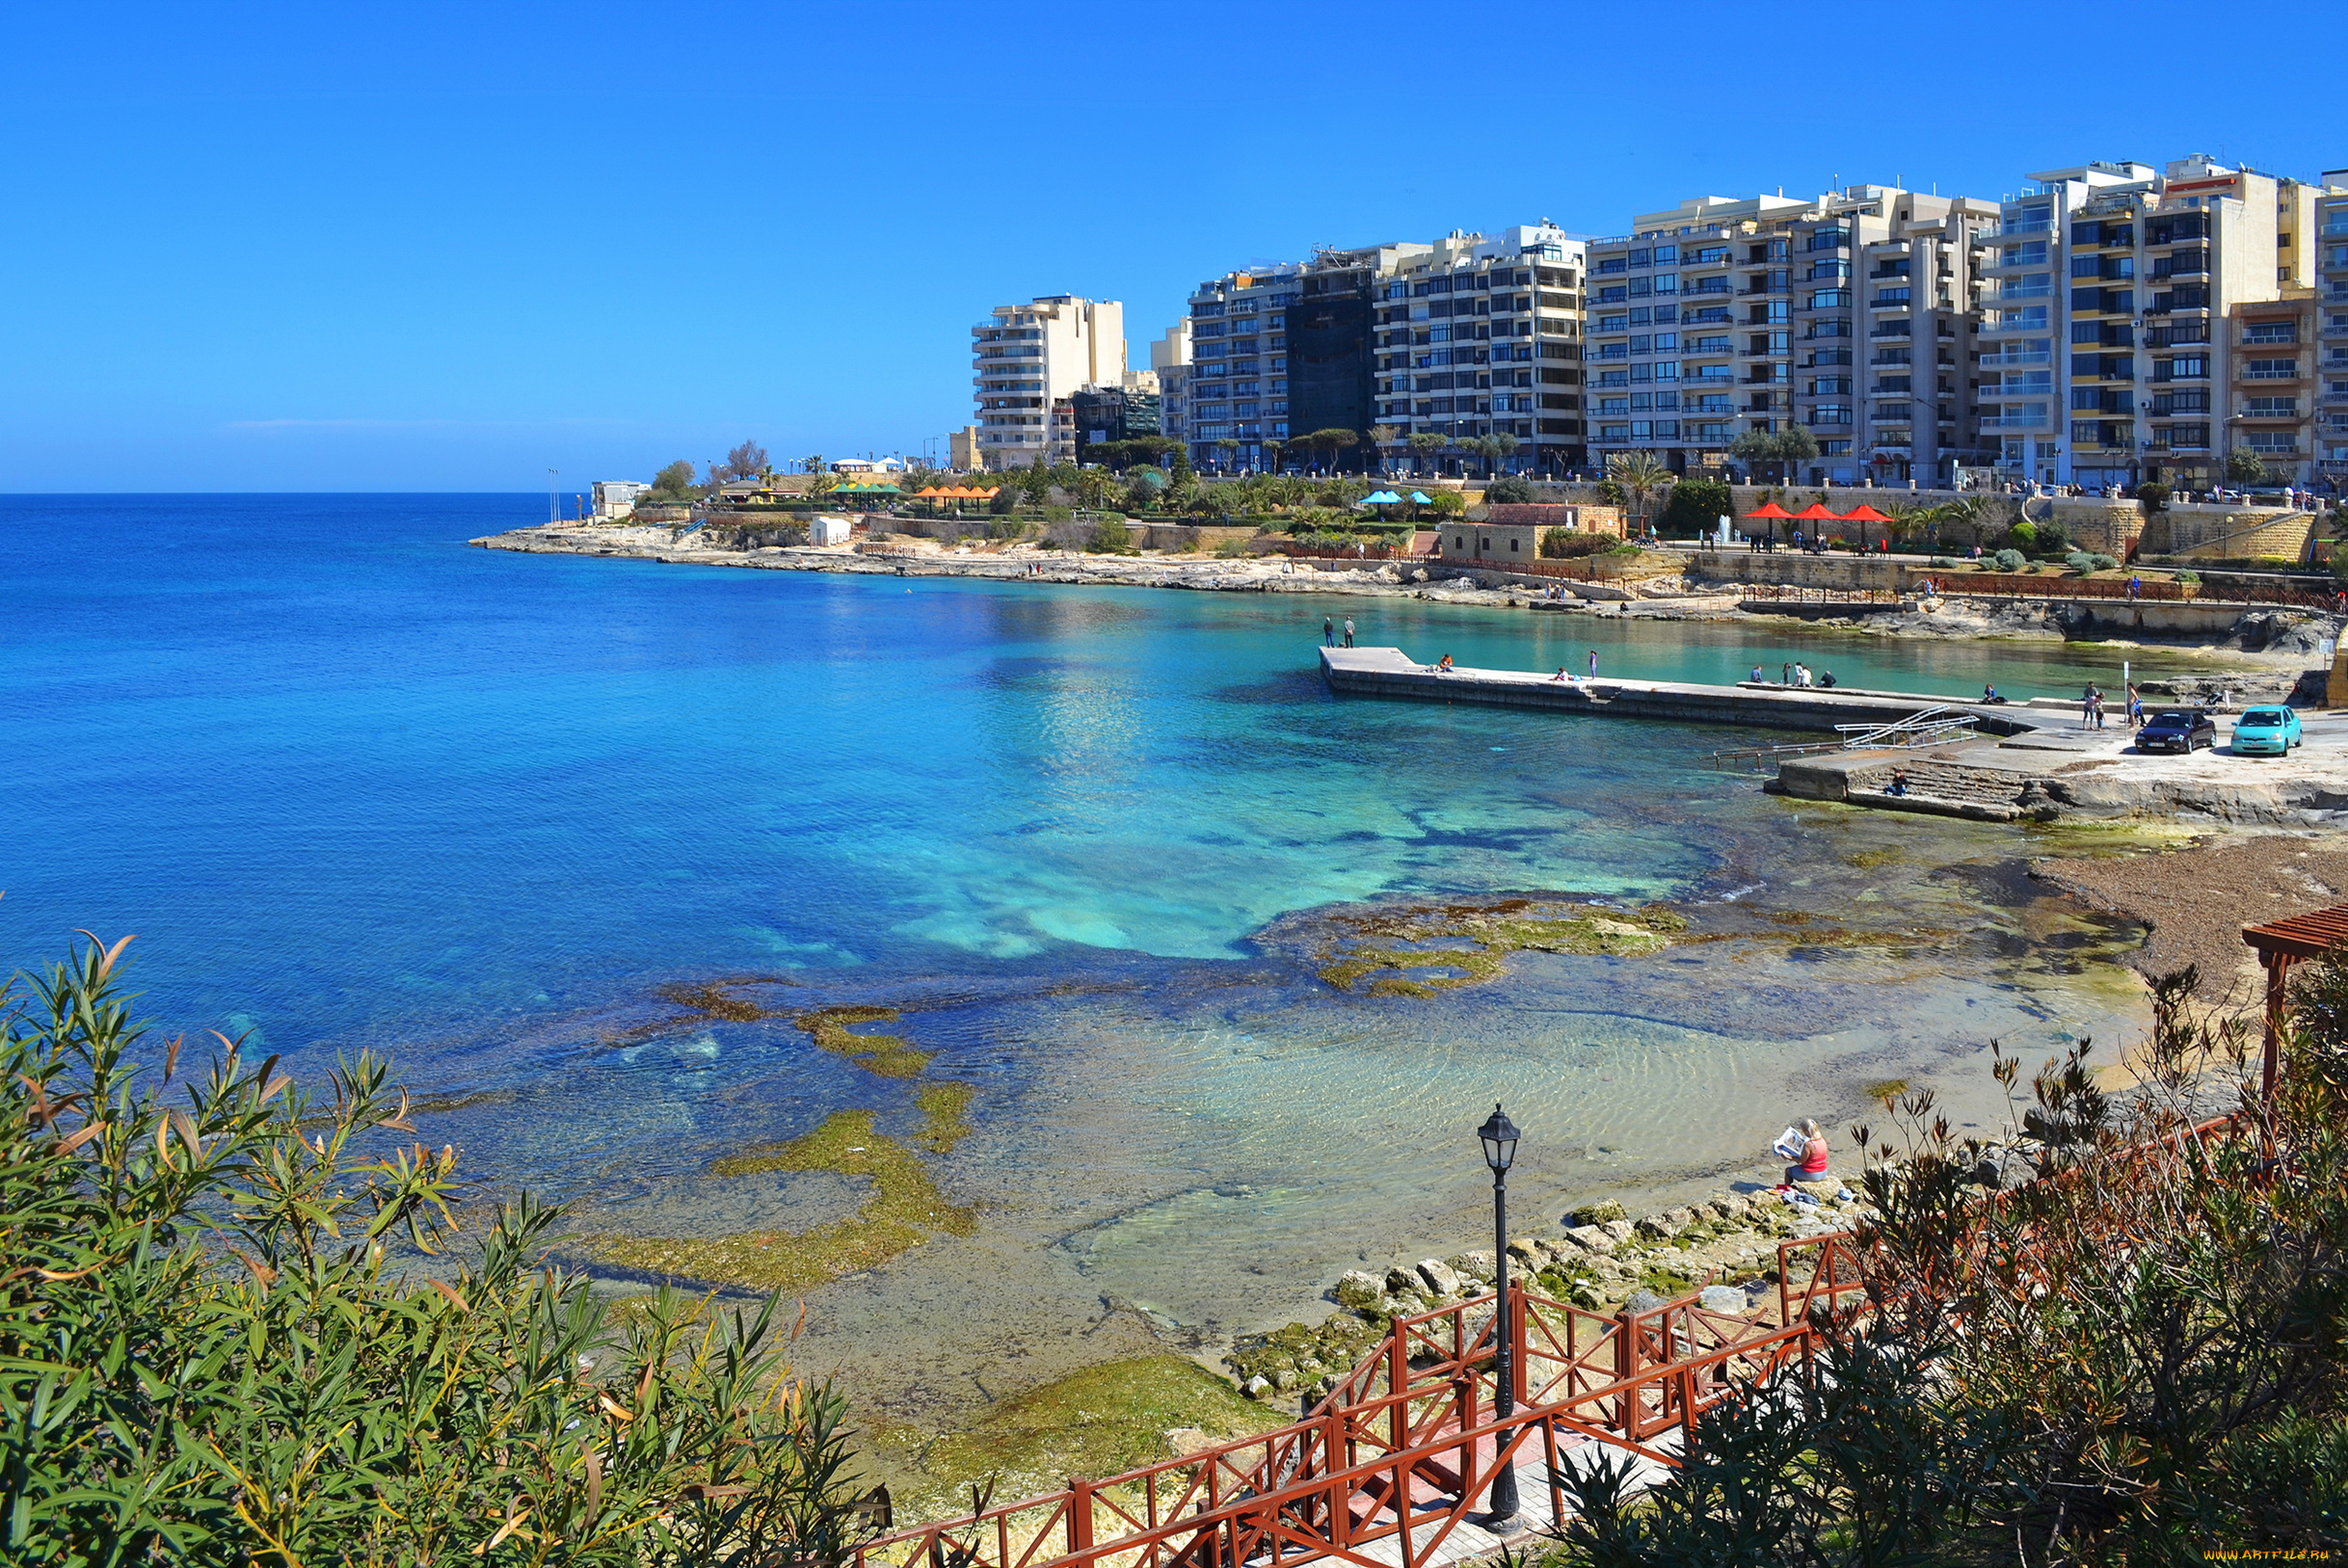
(1403, 1447)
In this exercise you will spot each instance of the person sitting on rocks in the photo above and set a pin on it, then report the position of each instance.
(1814, 1152)
(1899, 782)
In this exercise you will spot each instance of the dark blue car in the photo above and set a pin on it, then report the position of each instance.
(2177, 729)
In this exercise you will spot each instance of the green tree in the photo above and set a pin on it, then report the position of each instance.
(1181, 475)
(1329, 440)
(1782, 448)
(1695, 505)
(1640, 475)
(1512, 489)
(1110, 537)
(1271, 454)
(1424, 445)
(207, 1356)
(2245, 467)
(1225, 449)
(1383, 439)
(674, 482)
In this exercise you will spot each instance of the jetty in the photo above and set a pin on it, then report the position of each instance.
(2032, 761)
(1389, 672)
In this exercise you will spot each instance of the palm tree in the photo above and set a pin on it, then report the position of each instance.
(1639, 475)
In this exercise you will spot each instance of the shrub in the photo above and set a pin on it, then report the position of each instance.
(1511, 490)
(1695, 505)
(2052, 535)
(2009, 560)
(2153, 497)
(206, 1358)
(1564, 544)
(1110, 537)
(1448, 503)
(2022, 536)
(2137, 1353)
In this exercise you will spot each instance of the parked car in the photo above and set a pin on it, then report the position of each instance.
(2177, 729)
(2266, 731)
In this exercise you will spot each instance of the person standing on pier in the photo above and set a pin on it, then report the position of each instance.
(1348, 631)
(1593, 664)
(1328, 633)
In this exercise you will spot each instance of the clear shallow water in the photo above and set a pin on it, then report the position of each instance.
(357, 784)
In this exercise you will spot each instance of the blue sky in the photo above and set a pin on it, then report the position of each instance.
(439, 246)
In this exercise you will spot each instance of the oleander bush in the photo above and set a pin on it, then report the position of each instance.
(241, 1323)
(2135, 1358)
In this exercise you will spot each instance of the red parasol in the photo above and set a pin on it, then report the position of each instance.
(1770, 512)
(1816, 512)
(1864, 513)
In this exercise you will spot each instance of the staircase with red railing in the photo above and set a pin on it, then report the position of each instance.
(1391, 1467)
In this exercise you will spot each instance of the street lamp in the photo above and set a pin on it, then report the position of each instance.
(1499, 1136)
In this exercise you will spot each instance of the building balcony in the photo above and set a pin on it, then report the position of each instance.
(2027, 291)
(2017, 356)
(2044, 225)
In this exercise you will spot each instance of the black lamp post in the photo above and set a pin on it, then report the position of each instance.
(1500, 1135)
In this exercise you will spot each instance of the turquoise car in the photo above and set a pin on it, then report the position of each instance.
(2265, 731)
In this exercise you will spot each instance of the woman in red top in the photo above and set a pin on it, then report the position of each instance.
(1813, 1166)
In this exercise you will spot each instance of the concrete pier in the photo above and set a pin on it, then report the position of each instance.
(1388, 672)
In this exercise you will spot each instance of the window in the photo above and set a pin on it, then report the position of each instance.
(1830, 298)
(1706, 256)
(2270, 408)
(1830, 413)
(2271, 331)
(1890, 296)
(2032, 255)
(1828, 385)
(2271, 370)
(2180, 368)
(1643, 258)
(1613, 432)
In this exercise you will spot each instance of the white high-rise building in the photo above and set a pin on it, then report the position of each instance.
(1026, 359)
(2106, 357)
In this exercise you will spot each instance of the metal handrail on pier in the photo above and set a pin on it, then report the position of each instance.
(1934, 725)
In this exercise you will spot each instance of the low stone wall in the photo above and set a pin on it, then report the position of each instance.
(2230, 532)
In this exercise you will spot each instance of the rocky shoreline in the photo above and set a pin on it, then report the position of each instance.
(2260, 637)
(1723, 1249)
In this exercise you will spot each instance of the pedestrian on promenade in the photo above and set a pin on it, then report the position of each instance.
(2136, 586)
(1785, 675)
(2136, 706)
(1593, 664)
(1348, 631)
(1328, 633)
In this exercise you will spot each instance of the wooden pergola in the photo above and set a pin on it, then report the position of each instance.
(2280, 945)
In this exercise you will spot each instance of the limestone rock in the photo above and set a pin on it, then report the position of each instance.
(1679, 1219)
(1257, 1387)
(1722, 1298)
(1186, 1441)
(1475, 1265)
(1531, 1251)
(1597, 1213)
(2003, 1169)
(1359, 1289)
(1400, 1279)
(1642, 1301)
(1440, 1277)
(1591, 1239)
(1654, 1228)
(1617, 1229)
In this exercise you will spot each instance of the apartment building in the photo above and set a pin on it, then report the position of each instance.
(1478, 337)
(1028, 361)
(1852, 314)
(1470, 336)
(2329, 349)
(2271, 397)
(2117, 339)
(1170, 363)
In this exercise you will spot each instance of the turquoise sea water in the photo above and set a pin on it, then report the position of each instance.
(354, 784)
